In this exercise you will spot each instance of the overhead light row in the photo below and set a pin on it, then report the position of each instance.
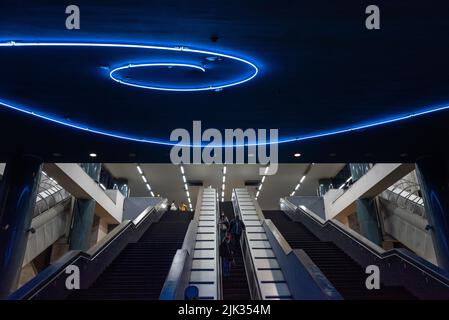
(298, 185)
(223, 184)
(259, 188)
(145, 180)
(186, 187)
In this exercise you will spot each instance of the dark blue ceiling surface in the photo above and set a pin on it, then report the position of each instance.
(320, 69)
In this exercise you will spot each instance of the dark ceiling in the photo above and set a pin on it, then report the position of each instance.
(320, 69)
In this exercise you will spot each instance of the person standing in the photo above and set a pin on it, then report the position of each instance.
(227, 255)
(223, 226)
(236, 227)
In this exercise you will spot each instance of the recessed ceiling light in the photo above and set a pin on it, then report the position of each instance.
(56, 154)
(297, 155)
(92, 155)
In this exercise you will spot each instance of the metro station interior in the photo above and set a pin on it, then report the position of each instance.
(93, 207)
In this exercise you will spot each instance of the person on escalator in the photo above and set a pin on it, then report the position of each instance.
(227, 255)
(173, 206)
(236, 228)
(223, 225)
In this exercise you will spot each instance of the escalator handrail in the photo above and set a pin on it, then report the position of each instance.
(250, 268)
(405, 255)
(177, 277)
(49, 275)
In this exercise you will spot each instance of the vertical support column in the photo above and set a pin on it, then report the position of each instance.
(17, 199)
(366, 208)
(433, 175)
(83, 213)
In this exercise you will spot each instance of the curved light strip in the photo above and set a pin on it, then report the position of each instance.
(148, 47)
(142, 65)
(354, 127)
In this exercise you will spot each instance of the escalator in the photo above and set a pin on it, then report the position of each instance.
(140, 269)
(235, 287)
(347, 276)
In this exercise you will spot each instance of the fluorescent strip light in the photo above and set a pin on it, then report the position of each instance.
(224, 170)
(263, 179)
(148, 186)
(144, 179)
(222, 194)
(224, 179)
(297, 186)
(302, 179)
(139, 169)
(223, 186)
(257, 194)
(266, 170)
(260, 187)
(188, 194)
(182, 169)
(152, 193)
(186, 187)
(292, 194)
(184, 178)
(102, 186)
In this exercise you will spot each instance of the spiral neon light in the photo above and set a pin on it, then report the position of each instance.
(169, 65)
(119, 135)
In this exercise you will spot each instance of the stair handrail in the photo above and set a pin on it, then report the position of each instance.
(50, 283)
(379, 254)
(178, 276)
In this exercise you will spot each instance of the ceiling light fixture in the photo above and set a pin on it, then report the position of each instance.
(297, 155)
(92, 155)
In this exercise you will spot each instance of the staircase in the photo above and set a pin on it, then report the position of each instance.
(235, 287)
(139, 272)
(347, 276)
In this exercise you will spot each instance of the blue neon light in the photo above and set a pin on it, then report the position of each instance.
(254, 68)
(123, 136)
(142, 65)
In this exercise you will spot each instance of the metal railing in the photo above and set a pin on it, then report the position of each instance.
(406, 194)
